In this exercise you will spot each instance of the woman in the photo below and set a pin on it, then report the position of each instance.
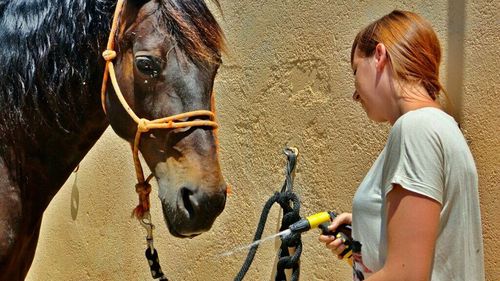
(416, 213)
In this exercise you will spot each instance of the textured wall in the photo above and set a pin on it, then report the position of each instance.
(285, 81)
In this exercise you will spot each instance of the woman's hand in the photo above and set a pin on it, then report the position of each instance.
(335, 244)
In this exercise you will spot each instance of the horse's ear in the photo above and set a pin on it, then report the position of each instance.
(129, 13)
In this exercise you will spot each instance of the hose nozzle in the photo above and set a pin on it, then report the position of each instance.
(312, 222)
(322, 220)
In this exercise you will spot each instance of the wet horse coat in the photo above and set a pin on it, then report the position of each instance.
(51, 115)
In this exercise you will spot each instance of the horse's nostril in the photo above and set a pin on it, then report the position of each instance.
(187, 196)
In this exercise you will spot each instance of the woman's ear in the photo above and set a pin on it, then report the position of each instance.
(381, 57)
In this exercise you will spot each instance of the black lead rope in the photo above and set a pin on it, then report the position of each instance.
(290, 204)
(151, 253)
(154, 265)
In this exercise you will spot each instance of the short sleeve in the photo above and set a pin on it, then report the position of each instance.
(415, 157)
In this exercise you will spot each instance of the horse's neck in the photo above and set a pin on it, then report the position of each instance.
(41, 168)
(41, 155)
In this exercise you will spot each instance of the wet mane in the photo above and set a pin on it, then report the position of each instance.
(48, 56)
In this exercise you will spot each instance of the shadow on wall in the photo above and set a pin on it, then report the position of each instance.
(75, 197)
(456, 56)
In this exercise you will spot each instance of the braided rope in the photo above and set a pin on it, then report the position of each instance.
(290, 204)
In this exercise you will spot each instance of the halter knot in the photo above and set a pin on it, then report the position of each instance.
(143, 189)
(109, 55)
(142, 125)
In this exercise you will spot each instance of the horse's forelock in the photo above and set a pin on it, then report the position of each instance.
(194, 28)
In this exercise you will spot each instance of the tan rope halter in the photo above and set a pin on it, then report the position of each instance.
(143, 188)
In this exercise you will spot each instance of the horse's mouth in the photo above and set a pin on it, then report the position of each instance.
(190, 212)
(173, 229)
(178, 235)
(179, 225)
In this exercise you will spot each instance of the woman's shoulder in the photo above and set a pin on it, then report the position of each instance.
(427, 126)
(426, 119)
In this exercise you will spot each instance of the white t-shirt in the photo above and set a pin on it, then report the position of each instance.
(425, 153)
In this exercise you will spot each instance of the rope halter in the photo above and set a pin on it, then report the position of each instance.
(143, 187)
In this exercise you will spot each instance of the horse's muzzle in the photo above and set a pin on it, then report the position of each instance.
(194, 212)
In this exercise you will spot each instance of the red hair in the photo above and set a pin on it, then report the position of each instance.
(412, 46)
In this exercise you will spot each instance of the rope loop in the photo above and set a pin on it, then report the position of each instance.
(291, 240)
(290, 204)
(109, 55)
(142, 125)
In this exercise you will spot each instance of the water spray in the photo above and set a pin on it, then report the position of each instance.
(319, 220)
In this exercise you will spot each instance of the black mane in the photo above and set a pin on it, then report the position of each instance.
(48, 55)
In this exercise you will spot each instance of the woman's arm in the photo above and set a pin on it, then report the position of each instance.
(412, 226)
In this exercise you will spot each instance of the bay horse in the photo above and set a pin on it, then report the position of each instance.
(167, 55)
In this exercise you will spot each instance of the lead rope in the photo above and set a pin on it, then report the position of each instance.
(290, 204)
(151, 253)
(143, 188)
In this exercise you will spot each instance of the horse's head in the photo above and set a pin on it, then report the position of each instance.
(168, 53)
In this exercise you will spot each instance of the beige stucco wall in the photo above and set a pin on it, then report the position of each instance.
(285, 81)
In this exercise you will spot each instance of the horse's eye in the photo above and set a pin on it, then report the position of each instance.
(148, 66)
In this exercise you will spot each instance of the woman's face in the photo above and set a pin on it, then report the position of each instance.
(371, 84)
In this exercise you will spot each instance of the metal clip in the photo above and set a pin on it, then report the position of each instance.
(149, 226)
(291, 151)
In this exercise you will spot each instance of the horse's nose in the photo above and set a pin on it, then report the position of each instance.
(188, 201)
(199, 205)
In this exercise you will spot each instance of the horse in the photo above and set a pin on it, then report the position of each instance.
(51, 113)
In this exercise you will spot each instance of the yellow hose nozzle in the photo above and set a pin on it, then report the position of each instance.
(322, 220)
(319, 218)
